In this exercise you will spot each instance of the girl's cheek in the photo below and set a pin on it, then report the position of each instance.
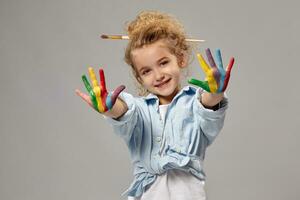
(148, 80)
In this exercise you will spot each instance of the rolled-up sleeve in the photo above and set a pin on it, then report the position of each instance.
(211, 122)
(125, 125)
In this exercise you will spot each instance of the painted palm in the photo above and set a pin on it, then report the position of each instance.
(100, 99)
(217, 78)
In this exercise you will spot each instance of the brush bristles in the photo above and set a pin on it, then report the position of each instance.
(104, 37)
(115, 37)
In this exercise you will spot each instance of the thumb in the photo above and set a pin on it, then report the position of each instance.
(202, 84)
(110, 101)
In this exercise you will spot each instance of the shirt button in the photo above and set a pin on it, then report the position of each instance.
(178, 150)
(156, 156)
(158, 139)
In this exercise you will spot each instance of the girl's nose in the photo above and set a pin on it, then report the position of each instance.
(159, 75)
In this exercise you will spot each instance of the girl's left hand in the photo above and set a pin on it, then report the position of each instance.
(217, 78)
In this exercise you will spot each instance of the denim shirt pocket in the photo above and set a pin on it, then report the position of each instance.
(183, 127)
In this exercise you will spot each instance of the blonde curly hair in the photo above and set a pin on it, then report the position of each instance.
(149, 27)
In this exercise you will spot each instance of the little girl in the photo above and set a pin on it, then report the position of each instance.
(168, 128)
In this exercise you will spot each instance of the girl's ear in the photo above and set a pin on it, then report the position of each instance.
(183, 60)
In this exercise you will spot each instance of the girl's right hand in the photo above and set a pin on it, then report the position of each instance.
(98, 97)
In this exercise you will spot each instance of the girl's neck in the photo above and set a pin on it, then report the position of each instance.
(168, 99)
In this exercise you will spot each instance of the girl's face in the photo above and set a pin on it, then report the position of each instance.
(159, 71)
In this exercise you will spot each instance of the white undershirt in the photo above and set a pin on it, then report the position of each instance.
(163, 110)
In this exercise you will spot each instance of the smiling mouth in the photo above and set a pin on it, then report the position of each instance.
(163, 83)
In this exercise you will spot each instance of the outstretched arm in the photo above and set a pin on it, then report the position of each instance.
(99, 99)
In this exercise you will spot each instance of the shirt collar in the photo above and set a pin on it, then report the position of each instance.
(153, 96)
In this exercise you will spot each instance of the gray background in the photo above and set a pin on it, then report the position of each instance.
(54, 147)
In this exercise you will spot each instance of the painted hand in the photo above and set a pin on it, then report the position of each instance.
(98, 97)
(217, 78)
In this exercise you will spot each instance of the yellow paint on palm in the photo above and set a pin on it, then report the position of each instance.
(213, 86)
(96, 89)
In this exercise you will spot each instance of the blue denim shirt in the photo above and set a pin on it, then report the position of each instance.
(178, 142)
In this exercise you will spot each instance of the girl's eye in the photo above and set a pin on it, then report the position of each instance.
(145, 72)
(164, 62)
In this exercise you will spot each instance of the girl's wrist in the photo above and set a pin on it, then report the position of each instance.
(210, 100)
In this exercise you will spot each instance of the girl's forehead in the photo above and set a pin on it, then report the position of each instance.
(153, 51)
(150, 55)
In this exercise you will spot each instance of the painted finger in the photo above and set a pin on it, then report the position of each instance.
(214, 68)
(96, 89)
(210, 58)
(202, 84)
(110, 101)
(102, 81)
(228, 71)
(221, 69)
(221, 84)
(87, 84)
(203, 64)
(103, 89)
(219, 59)
(93, 77)
(212, 83)
(90, 91)
(229, 67)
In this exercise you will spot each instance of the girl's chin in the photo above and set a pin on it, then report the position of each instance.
(167, 92)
